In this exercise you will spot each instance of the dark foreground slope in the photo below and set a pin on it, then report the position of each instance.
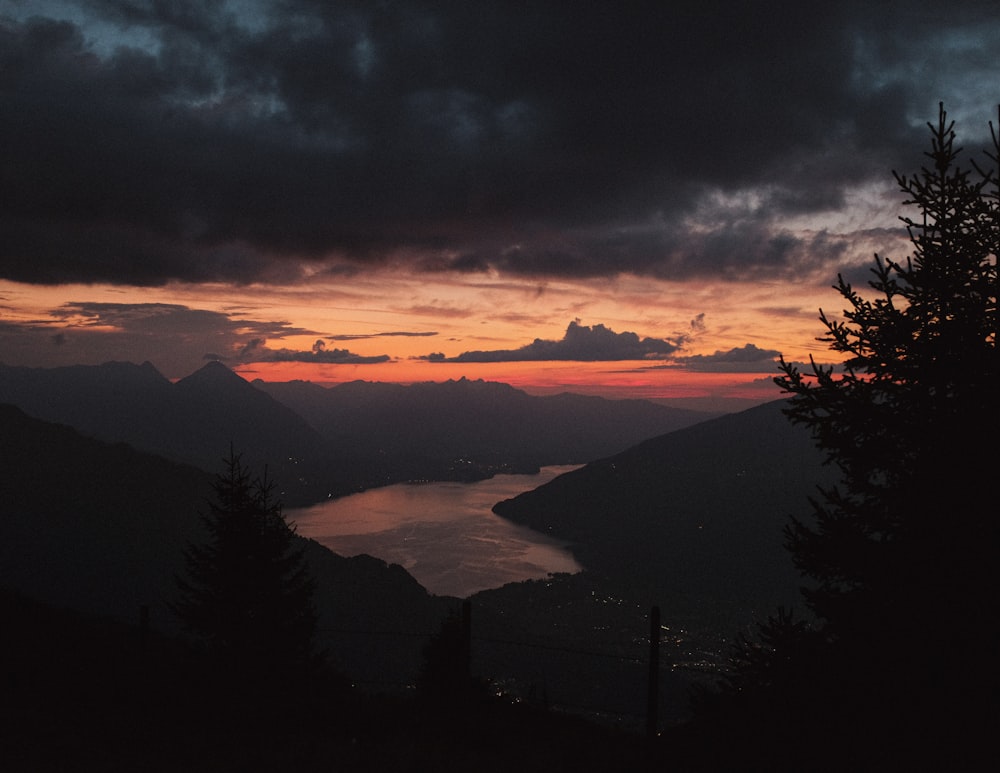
(102, 528)
(82, 694)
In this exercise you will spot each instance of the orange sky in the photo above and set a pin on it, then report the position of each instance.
(407, 317)
(409, 192)
(617, 380)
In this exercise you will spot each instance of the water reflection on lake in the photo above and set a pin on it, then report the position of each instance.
(444, 534)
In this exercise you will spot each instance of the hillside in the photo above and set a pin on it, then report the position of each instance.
(101, 529)
(90, 532)
(82, 694)
(696, 515)
(691, 522)
(193, 421)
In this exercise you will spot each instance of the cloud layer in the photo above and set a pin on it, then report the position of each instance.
(253, 140)
(580, 344)
(177, 338)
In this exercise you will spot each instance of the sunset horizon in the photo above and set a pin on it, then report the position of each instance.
(481, 385)
(539, 349)
(652, 203)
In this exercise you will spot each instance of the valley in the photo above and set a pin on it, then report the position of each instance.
(677, 510)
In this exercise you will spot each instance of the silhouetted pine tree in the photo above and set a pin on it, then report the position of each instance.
(899, 670)
(903, 552)
(248, 595)
(444, 675)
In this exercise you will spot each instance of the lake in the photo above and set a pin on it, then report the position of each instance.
(444, 534)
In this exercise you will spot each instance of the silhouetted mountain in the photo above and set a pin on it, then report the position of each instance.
(193, 421)
(435, 429)
(102, 528)
(111, 401)
(95, 527)
(695, 517)
(319, 441)
(216, 404)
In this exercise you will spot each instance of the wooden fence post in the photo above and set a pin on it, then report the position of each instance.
(143, 627)
(653, 684)
(467, 639)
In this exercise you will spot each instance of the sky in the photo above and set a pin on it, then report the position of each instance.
(648, 199)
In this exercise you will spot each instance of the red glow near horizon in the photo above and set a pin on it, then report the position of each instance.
(605, 379)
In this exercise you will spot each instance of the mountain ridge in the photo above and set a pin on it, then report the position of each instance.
(195, 421)
(319, 442)
(495, 424)
(698, 512)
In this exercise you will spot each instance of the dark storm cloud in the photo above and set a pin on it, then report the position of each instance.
(257, 351)
(142, 142)
(735, 247)
(748, 358)
(581, 344)
(168, 320)
(392, 334)
(175, 335)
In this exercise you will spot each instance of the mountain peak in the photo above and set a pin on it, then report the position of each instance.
(213, 374)
(150, 369)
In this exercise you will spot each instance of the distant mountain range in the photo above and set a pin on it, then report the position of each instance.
(320, 441)
(473, 425)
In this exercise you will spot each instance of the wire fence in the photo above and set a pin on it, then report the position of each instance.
(625, 681)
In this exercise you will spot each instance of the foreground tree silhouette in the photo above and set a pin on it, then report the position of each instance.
(911, 423)
(247, 595)
(901, 664)
(903, 552)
